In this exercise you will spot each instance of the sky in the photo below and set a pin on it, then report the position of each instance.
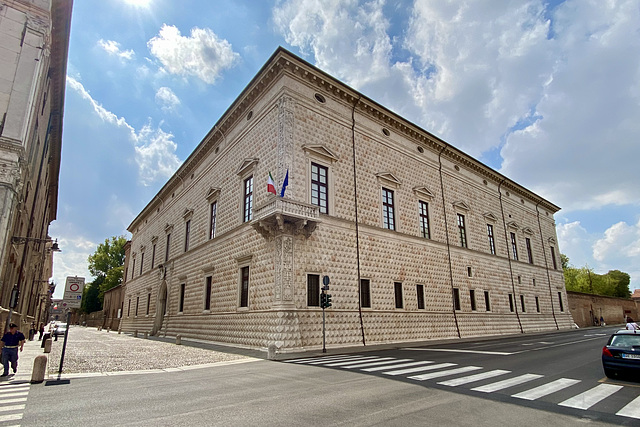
(546, 92)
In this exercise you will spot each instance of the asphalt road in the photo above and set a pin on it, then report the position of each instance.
(309, 392)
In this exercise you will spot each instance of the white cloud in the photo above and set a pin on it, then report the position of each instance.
(113, 48)
(203, 54)
(167, 100)
(154, 149)
(72, 261)
(346, 39)
(620, 241)
(555, 88)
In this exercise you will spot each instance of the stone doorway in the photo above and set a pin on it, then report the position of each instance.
(161, 308)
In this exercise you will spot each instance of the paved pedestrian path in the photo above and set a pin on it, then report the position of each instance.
(566, 392)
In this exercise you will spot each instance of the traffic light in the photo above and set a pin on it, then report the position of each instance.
(327, 301)
(323, 300)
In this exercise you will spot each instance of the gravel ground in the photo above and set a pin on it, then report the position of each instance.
(90, 350)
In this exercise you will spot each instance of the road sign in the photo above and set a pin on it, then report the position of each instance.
(73, 292)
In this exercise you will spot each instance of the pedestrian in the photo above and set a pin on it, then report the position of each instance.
(631, 325)
(10, 343)
(32, 331)
(602, 321)
(41, 331)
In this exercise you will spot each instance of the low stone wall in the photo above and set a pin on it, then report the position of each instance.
(586, 307)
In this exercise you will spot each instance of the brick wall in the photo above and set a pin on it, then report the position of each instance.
(584, 307)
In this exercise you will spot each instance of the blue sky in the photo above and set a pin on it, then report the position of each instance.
(545, 92)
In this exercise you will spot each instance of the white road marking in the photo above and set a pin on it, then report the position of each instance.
(311, 359)
(356, 359)
(10, 417)
(14, 390)
(631, 410)
(14, 394)
(357, 362)
(545, 389)
(12, 408)
(420, 369)
(447, 373)
(17, 400)
(500, 385)
(402, 365)
(376, 363)
(453, 350)
(473, 378)
(591, 397)
(14, 386)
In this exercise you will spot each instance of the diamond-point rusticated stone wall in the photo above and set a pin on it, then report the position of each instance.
(290, 116)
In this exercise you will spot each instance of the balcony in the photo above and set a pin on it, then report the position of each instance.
(285, 215)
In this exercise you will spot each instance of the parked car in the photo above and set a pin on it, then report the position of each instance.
(621, 355)
(60, 329)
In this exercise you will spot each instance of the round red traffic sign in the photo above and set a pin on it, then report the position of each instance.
(74, 287)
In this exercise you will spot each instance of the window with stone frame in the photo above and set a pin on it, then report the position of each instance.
(388, 209)
(553, 258)
(537, 305)
(397, 290)
(320, 187)
(313, 290)
(456, 299)
(472, 298)
(514, 246)
(187, 234)
(244, 286)
(213, 208)
(522, 306)
(137, 304)
(511, 308)
(129, 308)
(424, 219)
(167, 248)
(133, 268)
(420, 296)
(462, 229)
(207, 292)
(529, 250)
(487, 301)
(492, 242)
(247, 206)
(365, 293)
(181, 298)
(560, 301)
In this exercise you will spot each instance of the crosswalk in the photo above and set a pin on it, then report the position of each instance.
(483, 381)
(13, 399)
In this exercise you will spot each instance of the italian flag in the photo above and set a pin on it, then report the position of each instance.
(271, 186)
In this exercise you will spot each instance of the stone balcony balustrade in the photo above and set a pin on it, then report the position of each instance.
(278, 214)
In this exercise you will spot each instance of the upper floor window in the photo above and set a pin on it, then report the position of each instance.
(388, 215)
(141, 262)
(492, 243)
(244, 286)
(313, 290)
(529, 251)
(167, 247)
(187, 232)
(247, 210)
(320, 187)
(133, 268)
(514, 246)
(420, 292)
(463, 231)
(213, 208)
(424, 220)
(207, 293)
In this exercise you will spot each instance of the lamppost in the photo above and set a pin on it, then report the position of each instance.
(15, 292)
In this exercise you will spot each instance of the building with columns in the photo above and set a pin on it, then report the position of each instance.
(420, 240)
(34, 39)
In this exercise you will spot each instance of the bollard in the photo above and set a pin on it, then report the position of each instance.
(135, 333)
(39, 369)
(178, 339)
(119, 331)
(145, 335)
(108, 329)
(271, 352)
(47, 345)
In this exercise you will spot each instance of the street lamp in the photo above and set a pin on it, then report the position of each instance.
(18, 240)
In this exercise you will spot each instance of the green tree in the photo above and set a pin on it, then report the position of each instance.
(91, 296)
(614, 284)
(106, 264)
(621, 283)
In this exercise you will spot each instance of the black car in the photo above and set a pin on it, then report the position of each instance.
(621, 355)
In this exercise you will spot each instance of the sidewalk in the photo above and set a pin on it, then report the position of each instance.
(25, 363)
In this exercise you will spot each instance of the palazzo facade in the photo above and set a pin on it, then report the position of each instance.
(420, 240)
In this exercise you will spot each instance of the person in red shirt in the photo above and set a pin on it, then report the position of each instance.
(10, 343)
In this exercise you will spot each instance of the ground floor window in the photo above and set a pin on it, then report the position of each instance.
(456, 298)
(537, 305)
(244, 286)
(487, 302)
(560, 300)
(181, 299)
(420, 292)
(207, 293)
(365, 293)
(522, 303)
(511, 303)
(148, 302)
(313, 290)
(137, 303)
(472, 297)
(397, 288)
